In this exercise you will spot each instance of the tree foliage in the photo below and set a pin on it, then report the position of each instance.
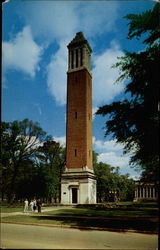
(134, 120)
(147, 21)
(52, 156)
(19, 141)
(31, 162)
(111, 185)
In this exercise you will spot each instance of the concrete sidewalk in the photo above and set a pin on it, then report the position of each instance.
(44, 209)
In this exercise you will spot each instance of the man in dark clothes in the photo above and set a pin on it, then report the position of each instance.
(39, 204)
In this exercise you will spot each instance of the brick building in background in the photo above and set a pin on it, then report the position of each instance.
(78, 183)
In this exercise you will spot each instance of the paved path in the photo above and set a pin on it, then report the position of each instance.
(45, 209)
(22, 213)
(40, 237)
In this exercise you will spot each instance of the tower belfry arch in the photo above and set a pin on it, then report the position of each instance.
(78, 182)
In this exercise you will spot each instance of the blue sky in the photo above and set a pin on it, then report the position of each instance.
(35, 35)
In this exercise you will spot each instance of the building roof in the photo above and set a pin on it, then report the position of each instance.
(79, 40)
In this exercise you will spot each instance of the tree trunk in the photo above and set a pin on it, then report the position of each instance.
(12, 186)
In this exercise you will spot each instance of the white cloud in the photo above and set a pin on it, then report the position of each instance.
(21, 53)
(122, 161)
(104, 77)
(111, 153)
(94, 110)
(103, 146)
(98, 17)
(114, 159)
(50, 20)
(61, 140)
(57, 76)
(54, 20)
(58, 21)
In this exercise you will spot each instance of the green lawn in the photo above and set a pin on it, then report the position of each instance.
(11, 209)
(140, 218)
(29, 219)
(145, 212)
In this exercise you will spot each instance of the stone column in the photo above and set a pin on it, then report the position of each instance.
(74, 58)
(82, 55)
(139, 191)
(88, 60)
(149, 192)
(79, 57)
(144, 192)
(86, 57)
(70, 195)
(135, 194)
(154, 194)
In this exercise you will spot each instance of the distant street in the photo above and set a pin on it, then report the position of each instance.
(41, 237)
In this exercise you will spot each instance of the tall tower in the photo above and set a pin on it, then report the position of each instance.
(78, 184)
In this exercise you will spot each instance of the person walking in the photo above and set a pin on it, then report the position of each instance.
(39, 204)
(34, 205)
(31, 205)
(25, 205)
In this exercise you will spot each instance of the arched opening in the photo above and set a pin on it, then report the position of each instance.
(74, 195)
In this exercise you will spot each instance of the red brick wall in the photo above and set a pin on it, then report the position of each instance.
(79, 119)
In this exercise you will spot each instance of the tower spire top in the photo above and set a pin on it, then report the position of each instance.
(79, 53)
(79, 40)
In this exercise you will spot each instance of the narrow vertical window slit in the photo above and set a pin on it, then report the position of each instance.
(76, 58)
(75, 152)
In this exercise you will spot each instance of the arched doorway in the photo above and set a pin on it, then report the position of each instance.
(74, 195)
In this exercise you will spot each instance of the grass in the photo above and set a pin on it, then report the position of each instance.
(145, 213)
(29, 220)
(11, 209)
(138, 218)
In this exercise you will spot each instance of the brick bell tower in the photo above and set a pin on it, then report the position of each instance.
(78, 183)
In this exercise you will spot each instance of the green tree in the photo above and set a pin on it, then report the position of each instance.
(125, 187)
(105, 181)
(134, 120)
(111, 184)
(19, 142)
(94, 158)
(25, 187)
(52, 156)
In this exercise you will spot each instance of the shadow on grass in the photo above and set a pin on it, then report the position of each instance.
(120, 224)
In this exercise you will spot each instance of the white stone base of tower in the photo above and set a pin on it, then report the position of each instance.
(78, 186)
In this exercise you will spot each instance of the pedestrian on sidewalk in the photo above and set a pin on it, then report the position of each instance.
(31, 205)
(34, 205)
(39, 204)
(25, 205)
